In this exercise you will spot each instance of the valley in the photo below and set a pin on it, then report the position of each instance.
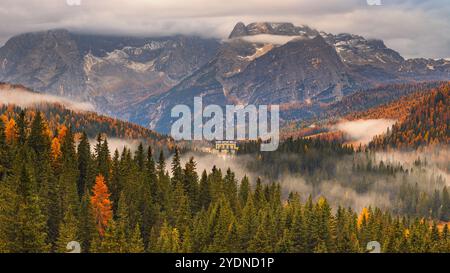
(141, 79)
(86, 155)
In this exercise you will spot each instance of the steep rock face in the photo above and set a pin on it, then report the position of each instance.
(356, 50)
(298, 71)
(134, 73)
(48, 60)
(371, 59)
(110, 71)
(238, 31)
(141, 79)
(287, 29)
(425, 69)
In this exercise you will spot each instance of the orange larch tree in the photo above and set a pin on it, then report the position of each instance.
(101, 204)
(11, 131)
(56, 149)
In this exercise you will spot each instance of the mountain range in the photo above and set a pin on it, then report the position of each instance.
(141, 79)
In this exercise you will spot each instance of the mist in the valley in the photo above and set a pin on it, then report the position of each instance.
(436, 160)
(339, 190)
(23, 99)
(427, 169)
(119, 144)
(363, 131)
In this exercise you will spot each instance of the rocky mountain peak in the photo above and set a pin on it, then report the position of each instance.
(272, 28)
(239, 30)
(140, 78)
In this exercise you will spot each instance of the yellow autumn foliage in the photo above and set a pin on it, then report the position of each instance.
(11, 131)
(363, 216)
(56, 149)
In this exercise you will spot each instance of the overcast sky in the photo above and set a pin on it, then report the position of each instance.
(415, 28)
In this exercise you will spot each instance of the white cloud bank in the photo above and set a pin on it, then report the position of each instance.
(363, 131)
(271, 39)
(416, 28)
(28, 99)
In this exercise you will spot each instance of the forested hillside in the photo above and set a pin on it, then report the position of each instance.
(53, 192)
(57, 113)
(398, 110)
(426, 124)
(89, 122)
(393, 101)
(366, 99)
(58, 118)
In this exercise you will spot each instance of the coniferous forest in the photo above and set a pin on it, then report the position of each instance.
(224, 136)
(57, 187)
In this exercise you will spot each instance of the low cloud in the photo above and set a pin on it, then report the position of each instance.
(270, 39)
(363, 131)
(119, 144)
(336, 192)
(416, 28)
(435, 158)
(207, 161)
(23, 98)
(340, 191)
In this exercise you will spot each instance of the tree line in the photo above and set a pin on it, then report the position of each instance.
(427, 124)
(54, 190)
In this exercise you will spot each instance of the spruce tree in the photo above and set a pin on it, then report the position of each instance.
(248, 224)
(190, 184)
(139, 157)
(230, 188)
(136, 243)
(30, 226)
(84, 165)
(177, 171)
(204, 191)
(116, 183)
(222, 227)
(86, 224)
(244, 191)
(67, 184)
(22, 128)
(262, 241)
(445, 211)
(151, 174)
(68, 231)
(161, 167)
(38, 140)
(259, 196)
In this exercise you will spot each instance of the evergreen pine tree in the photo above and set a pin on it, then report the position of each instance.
(244, 191)
(177, 171)
(190, 184)
(204, 191)
(68, 231)
(445, 210)
(139, 157)
(86, 224)
(84, 165)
